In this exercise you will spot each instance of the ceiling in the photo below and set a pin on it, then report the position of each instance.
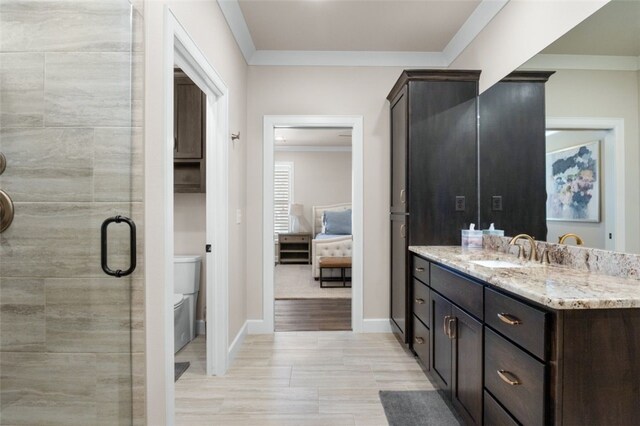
(330, 25)
(407, 33)
(613, 30)
(328, 138)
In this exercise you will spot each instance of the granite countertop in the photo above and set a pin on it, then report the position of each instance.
(557, 287)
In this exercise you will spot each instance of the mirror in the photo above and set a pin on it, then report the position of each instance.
(592, 103)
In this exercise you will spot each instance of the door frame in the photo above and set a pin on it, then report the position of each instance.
(180, 49)
(614, 146)
(270, 123)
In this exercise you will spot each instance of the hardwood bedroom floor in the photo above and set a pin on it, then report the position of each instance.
(301, 379)
(312, 314)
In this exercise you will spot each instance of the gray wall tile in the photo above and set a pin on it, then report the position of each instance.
(22, 304)
(65, 25)
(87, 89)
(118, 161)
(45, 164)
(21, 89)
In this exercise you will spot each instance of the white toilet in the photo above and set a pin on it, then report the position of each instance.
(186, 285)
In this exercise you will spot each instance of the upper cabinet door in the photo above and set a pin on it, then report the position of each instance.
(399, 153)
(189, 120)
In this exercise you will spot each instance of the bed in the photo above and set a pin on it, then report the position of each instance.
(327, 245)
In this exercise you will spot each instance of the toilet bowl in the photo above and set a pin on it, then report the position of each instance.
(186, 286)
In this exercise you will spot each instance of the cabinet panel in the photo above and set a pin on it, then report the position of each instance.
(494, 414)
(188, 119)
(420, 269)
(421, 341)
(399, 273)
(467, 371)
(515, 378)
(399, 122)
(440, 342)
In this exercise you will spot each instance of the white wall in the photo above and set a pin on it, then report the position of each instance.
(205, 23)
(593, 234)
(189, 227)
(326, 91)
(320, 178)
(611, 94)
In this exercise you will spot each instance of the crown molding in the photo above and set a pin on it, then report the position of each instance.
(479, 18)
(475, 23)
(233, 14)
(312, 148)
(582, 62)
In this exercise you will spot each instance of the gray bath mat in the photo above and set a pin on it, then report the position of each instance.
(417, 408)
(179, 368)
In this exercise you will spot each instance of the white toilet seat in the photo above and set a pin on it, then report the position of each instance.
(178, 299)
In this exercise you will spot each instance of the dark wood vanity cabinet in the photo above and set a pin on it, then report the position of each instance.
(433, 164)
(514, 362)
(189, 127)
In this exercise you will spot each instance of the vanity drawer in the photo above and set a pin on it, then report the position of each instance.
(421, 341)
(524, 324)
(494, 414)
(462, 291)
(421, 269)
(421, 301)
(515, 378)
(294, 238)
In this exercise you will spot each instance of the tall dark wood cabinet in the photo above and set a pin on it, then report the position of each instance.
(434, 169)
(512, 155)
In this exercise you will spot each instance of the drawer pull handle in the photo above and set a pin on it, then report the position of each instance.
(445, 324)
(419, 340)
(420, 301)
(508, 377)
(419, 269)
(452, 326)
(509, 319)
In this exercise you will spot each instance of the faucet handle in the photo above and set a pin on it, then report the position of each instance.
(544, 257)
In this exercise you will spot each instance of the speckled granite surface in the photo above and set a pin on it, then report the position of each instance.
(555, 286)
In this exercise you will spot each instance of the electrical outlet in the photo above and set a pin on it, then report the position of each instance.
(460, 203)
(238, 216)
(496, 203)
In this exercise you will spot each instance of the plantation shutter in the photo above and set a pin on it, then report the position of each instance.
(283, 194)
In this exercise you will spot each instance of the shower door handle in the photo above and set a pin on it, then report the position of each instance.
(103, 246)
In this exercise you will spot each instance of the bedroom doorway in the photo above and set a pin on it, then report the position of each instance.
(312, 210)
(312, 183)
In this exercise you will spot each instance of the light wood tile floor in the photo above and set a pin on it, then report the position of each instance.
(298, 378)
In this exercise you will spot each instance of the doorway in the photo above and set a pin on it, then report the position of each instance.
(308, 219)
(312, 229)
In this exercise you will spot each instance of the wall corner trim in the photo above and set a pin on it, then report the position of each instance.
(235, 346)
(258, 327)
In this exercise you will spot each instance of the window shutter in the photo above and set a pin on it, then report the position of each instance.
(283, 194)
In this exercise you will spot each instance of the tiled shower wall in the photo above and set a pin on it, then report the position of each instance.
(71, 96)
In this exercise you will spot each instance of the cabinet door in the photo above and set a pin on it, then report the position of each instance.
(188, 125)
(441, 347)
(399, 273)
(467, 366)
(399, 153)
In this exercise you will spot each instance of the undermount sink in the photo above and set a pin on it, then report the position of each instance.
(496, 264)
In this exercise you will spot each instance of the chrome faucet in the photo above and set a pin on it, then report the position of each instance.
(562, 238)
(533, 254)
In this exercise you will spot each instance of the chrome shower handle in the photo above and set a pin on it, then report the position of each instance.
(6, 211)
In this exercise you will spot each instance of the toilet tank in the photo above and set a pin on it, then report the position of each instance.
(186, 274)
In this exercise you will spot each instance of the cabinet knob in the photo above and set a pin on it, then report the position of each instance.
(420, 301)
(403, 231)
(508, 377)
(419, 340)
(403, 196)
(509, 319)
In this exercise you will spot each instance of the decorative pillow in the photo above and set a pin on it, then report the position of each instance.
(337, 223)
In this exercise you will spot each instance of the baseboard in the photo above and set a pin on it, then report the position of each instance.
(236, 344)
(258, 327)
(376, 325)
(200, 327)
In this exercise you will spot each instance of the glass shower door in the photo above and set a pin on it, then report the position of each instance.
(70, 334)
